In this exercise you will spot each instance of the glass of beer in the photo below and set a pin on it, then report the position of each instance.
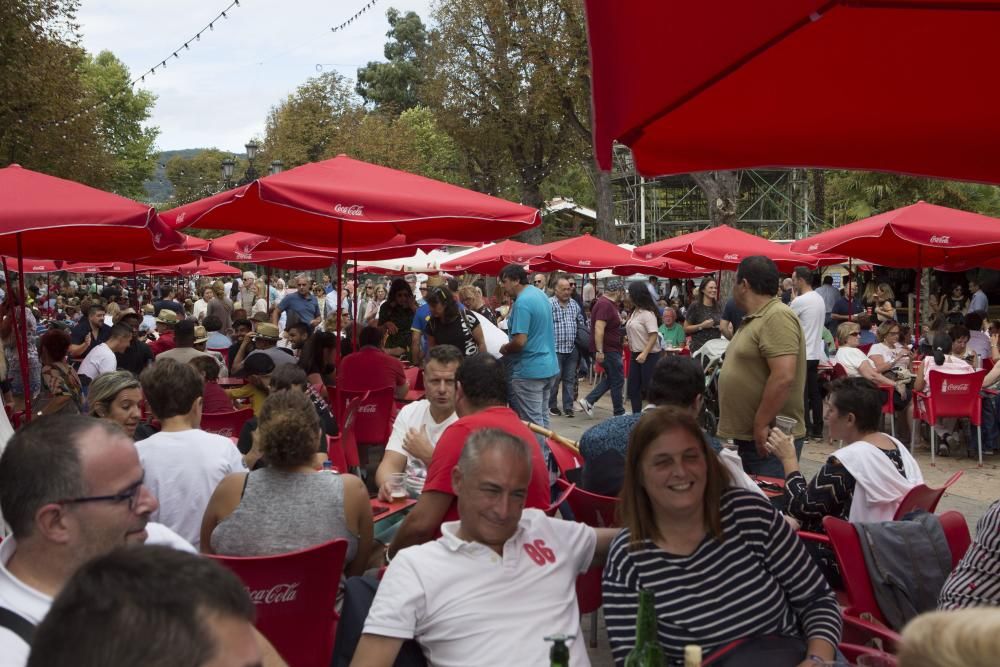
(397, 487)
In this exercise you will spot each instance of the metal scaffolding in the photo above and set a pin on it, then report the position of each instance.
(774, 203)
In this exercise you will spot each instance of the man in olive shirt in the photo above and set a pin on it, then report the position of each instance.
(764, 374)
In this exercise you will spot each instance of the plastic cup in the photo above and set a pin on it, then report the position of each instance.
(397, 487)
(785, 424)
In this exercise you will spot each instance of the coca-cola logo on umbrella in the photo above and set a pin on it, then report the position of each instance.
(356, 210)
(275, 594)
(941, 240)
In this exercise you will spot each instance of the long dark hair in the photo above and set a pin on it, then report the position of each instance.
(313, 356)
(941, 347)
(641, 297)
(398, 285)
(443, 295)
(701, 289)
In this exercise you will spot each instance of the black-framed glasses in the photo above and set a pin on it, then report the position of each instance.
(854, 333)
(130, 495)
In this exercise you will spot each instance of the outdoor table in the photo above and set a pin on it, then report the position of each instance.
(772, 481)
(676, 350)
(231, 382)
(388, 516)
(411, 396)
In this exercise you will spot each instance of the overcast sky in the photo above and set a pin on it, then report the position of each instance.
(218, 93)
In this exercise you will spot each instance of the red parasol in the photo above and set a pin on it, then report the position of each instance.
(312, 204)
(490, 259)
(587, 254)
(822, 83)
(34, 265)
(202, 268)
(919, 235)
(724, 247)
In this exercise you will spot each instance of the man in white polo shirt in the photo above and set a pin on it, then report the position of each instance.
(418, 425)
(102, 358)
(496, 582)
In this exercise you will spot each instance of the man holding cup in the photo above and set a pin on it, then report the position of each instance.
(764, 375)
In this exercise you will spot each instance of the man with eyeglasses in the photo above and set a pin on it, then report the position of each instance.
(540, 282)
(72, 489)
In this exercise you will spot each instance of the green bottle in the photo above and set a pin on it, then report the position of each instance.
(559, 654)
(647, 651)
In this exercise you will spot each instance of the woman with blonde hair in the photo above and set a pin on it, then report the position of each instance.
(885, 303)
(964, 638)
(111, 313)
(686, 529)
(118, 397)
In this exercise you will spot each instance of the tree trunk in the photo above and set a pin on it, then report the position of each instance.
(531, 195)
(605, 228)
(721, 190)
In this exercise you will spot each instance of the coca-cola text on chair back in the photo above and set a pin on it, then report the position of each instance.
(295, 595)
(226, 424)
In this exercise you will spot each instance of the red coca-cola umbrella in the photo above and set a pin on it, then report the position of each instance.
(199, 268)
(45, 216)
(34, 265)
(919, 235)
(490, 259)
(723, 248)
(346, 202)
(588, 254)
(695, 86)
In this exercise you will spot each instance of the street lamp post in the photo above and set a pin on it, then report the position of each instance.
(250, 175)
(227, 172)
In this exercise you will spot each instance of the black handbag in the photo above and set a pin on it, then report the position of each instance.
(583, 337)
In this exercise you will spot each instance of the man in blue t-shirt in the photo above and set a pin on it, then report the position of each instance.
(301, 306)
(532, 347)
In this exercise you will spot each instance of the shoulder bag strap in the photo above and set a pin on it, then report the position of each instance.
(17, 624)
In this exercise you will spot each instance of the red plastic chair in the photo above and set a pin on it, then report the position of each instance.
(847, 548)
(228, 424)
(591, 508)
(865, 348)
(951, 395)
(566, 459)
(374, 416)
(589, 598)
(857, 632)
(345, 445)
(923, 497)
(852, 652)
(224, 351)
(295, 595)
(988, 364)
(554, 507)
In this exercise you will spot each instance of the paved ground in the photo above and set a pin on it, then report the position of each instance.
(971, 495)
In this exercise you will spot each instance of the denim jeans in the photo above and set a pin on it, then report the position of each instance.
(530, 399)
(567, 377)
(769, 466)
(639, 377)
(991, 426)
(614, 379)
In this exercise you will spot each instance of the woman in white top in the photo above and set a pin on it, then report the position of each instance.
(862, 481)
(643, 332)
(374, 305)
(854, 360)
(943, 363)
(258, 290)
(887, 353)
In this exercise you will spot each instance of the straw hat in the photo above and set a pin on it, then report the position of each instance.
(200, 334)
(268, 331)
(167, 316)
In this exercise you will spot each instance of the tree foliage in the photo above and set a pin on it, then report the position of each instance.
(500, 78)
(309, 123)
(49, 87)
(393, 86)
(853, 195)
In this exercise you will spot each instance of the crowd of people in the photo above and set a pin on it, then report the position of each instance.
(482, 567)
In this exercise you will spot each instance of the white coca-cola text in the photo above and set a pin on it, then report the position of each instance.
(367, 408)
(275, 594)
(353, 209)
(731, 257)
(940, 239)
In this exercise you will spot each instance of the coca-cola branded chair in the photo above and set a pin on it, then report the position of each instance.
(226, 424)
(373, 417)
(950, 395)
(295, 595)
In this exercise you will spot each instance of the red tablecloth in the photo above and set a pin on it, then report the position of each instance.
(383, 510)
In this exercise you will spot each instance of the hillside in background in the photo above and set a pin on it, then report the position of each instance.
(158, 188)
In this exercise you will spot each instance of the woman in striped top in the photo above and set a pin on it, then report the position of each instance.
(976, 580)
(721, 562)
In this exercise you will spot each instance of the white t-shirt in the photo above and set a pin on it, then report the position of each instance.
(99, 361)
(33, 605)
(200, 309)
(851, 358)
(887, 353)
(811, 311)
(415, 415)
(182, 470)
(461, 599)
